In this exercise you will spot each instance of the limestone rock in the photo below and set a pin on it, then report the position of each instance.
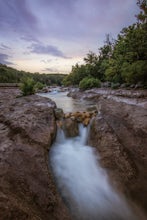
(119, 133)
(86, 121)
(59, 113)
(27, 129)
(67, 115)
(70, 127)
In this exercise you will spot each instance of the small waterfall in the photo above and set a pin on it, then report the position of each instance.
(83, 183)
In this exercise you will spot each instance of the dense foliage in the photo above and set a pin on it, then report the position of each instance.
(120, 61)
(27, 86)
(89, 82)
(11, 75)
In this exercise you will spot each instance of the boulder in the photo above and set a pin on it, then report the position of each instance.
(86, 121)
(67, 115)
(70, 127)
(59, 114)
(81, 117)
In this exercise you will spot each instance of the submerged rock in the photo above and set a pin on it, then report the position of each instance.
(27, 129)
(81, 117)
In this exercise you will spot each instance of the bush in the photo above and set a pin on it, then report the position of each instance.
(39, 86)
(89, 82)
(27, 86)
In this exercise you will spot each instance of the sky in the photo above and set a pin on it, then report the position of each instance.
(49, 36)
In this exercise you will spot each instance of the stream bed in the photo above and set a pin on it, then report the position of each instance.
(83, 184)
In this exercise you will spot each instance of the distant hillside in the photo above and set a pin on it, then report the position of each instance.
(11, 75)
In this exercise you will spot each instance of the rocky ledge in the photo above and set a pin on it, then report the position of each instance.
(27, 129)
(119, 133)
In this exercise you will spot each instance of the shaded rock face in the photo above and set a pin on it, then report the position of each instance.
(59, 113)
(119, 133)
(27, 129)
(70, 127)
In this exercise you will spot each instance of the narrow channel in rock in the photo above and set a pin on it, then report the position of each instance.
(83, 184)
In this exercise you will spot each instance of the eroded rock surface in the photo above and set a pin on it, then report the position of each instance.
(119, 133)
(128, 96)
(27, 129)
(70, 127)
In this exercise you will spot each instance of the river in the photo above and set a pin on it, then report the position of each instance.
(67, 103)
(84, 185)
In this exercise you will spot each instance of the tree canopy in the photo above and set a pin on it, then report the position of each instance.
(123, 60)
(11, 75)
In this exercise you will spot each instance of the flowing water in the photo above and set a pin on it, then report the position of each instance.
(83, 184)
(67, 103)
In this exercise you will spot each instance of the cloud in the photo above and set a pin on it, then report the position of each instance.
(52, 70)
(4, 59)
(79, 26)
(4, 47)
(29, 38)
(46, 49)
(46, 61)
(68, 20)
(17, 17)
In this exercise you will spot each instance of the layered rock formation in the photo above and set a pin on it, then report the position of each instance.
(69, 121)
(27, 129)
(119, 133)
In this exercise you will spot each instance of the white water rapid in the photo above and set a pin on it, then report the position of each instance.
(82, 183)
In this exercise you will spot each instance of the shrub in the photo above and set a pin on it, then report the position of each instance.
(27, 86)
(89, 82)
(39, 86)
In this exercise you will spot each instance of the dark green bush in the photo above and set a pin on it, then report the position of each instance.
(89, 82)
(39, 86)
(27, 86)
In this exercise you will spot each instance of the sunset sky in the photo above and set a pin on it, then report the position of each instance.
(52, 35)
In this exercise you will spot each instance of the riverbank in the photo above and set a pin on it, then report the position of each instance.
(128, 96)
(27, 129)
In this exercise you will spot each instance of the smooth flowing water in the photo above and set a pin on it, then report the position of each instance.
(83, 184)
(67, 103)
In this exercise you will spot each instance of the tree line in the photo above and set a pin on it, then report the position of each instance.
(11, 75)
(120, 61)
